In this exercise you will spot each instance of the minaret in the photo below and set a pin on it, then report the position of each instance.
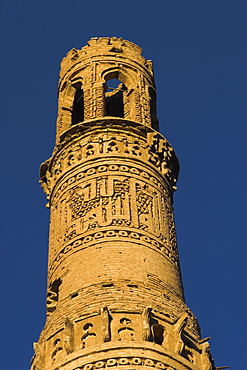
(114, 294)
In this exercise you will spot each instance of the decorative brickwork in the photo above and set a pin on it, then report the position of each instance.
(115, 297)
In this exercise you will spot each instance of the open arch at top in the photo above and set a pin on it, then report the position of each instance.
(153, 114)
(116, 84)
(78, 104)
(114, 98)
(121, 75)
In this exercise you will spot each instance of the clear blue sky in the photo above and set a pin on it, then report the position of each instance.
(199, 52)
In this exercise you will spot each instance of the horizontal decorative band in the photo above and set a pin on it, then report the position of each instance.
(123, 361)
(100, 169)
(102, 236)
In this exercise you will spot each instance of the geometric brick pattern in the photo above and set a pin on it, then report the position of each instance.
(114, 294)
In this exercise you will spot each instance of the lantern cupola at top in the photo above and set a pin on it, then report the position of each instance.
(85, 90)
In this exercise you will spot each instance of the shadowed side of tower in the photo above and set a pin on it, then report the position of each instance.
(114, 296)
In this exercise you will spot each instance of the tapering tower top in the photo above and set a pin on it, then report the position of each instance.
(83, 87)
(114, 291)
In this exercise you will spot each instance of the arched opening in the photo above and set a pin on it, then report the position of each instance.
(158, 333)
(53, 295)
(153, 113)
(114, 98)
(78, 104)
(189, 349)
(89, 336)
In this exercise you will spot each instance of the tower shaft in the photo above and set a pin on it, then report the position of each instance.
(114, 294)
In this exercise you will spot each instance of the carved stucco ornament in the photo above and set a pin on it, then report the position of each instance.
(114, 285)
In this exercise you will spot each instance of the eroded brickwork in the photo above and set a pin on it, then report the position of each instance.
(114, 297)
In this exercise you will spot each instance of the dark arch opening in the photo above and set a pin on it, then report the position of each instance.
(114, 103)
(158, 333)
(53, 295)
(153, 113)
(78, 104)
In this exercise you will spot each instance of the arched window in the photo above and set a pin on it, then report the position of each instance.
(78, 105)
(158, 333)
(53, 295)
(114, 104)
(153, 114)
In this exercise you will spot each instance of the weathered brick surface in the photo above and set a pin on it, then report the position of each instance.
(115, 296)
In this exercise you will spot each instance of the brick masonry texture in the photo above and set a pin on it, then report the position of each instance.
(114, 293)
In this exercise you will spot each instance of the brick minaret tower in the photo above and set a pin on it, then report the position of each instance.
(114, 296)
